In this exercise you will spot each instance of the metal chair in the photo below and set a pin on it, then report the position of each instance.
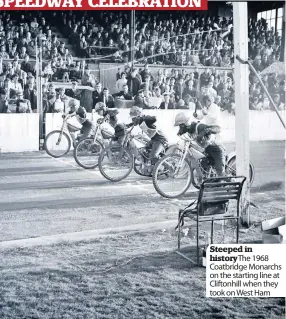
(212, 205)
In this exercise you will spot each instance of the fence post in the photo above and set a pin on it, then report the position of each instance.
(241, 72)
(39, 93)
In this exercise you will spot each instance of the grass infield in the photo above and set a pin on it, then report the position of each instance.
(135, 276)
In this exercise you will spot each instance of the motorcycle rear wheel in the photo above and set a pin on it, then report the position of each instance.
(230, 169)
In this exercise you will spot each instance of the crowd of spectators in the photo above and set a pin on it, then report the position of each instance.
(160, 39)
(19, 36)
(168, 39)
(172, 89)
(178, 88)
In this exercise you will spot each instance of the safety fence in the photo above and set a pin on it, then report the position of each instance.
(20, 132)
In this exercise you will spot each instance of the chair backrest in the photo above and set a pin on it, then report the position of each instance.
(220, 189)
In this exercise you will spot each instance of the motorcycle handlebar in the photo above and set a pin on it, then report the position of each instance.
(185, 137)
(129, 129)
(66, 116)
(100, 121)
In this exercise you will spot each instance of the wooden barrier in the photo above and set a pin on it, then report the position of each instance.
(264, 126)
(19, 132)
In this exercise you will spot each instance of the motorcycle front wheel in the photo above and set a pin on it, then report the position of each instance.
(172, 177)
(115, 163)
(57, 143)
(86, 153)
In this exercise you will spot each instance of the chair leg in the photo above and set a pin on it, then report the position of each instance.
(198, 250)
(212, 231)
(237, 230)
(179, 237)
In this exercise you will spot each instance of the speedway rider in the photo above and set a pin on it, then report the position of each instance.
(111, 115)
(206, 131)
(158, 142)
(80, 113)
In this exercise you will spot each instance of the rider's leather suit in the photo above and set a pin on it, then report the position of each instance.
(203, 134)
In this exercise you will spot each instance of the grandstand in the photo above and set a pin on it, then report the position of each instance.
(180, 54)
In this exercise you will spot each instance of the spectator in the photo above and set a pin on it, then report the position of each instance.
(282, 90)
(97, 92)
(142, 101)
(124, 94)
(279, 104)
(190, 90)
(3, 102)
(61, 95)
(3, 53)
(179, 89)
(27, 66)
(88, 78)
(106, 98)
(50, 103)
(146, 73)
(73, 92)
(147, 84)
(30, 94)
(205, 77)
(157, 93)
(189, 103)
(15, 86)
(167, 104)
(147, 92)
(211, 91)
(133, 83)
(181, 104)
(121, 82)
(22, 105)
(76, 73)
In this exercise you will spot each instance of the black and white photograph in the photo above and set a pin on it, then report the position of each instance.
(130, 142)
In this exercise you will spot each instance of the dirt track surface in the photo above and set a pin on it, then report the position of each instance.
(41, 196)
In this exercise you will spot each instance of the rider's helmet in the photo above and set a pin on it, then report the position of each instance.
(100, 106)
(181, 118)
(207, 99)
(135, 111)
(73, 105)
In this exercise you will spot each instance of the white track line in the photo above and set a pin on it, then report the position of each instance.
(95, 173)
(75, 166)
(128, 184)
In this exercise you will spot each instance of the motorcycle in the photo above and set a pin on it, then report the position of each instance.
(133, 152)
(191, 162)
